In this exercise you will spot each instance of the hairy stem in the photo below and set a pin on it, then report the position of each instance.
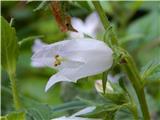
(16, 99)
(105, 22)
(130, 66)
(136, 81)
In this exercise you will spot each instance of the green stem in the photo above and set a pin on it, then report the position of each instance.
(130, 67)
(105, 22)
(102, 15)
(134, 111)
(136, 81)
(16, 99)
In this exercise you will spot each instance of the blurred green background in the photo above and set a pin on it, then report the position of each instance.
(137, 25)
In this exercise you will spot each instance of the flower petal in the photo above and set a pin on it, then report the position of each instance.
(43, 58)
(96, 62)
(55, 79)
(79, 26)
(93, 24)
(84, 44)
(84, 111)
(74, 118)
(70, 64)
(81, 112)
(38, 45)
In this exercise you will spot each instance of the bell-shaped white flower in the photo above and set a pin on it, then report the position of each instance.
(81, 112)
(90, 26)
(74, 59)
(99, 87)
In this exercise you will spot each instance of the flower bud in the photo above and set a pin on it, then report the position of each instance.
(99, 87)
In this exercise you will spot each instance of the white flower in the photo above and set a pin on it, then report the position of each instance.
(81, 112)
(90, 26)
(74, 59)
(99, 87)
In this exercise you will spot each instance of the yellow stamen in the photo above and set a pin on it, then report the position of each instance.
(58, 60)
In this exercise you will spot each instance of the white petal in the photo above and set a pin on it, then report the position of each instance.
(74, 118)
(43, 57)
(38, 45)
(79, 26)
(84, 111)
(92, 18)
(81, 112)
(76, 35)
(93, 24)
(46, 55)
(84, 44)
(55, 79)
(96, 62)
(70, 64)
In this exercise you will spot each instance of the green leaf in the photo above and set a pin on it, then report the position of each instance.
(84, 4)
(151, 71)
(124, 114)
(104, 80)
(117, 98)
(41, 5)
(9, 46)
(122, 84)
(149, 5)
(130, 38)
(102, 112)
(147, 26)
(69, 106)
(14, 116)
(42, 112)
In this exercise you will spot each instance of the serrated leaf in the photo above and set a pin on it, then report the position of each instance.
(151, 71)
(9, 47)
(14, 116)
